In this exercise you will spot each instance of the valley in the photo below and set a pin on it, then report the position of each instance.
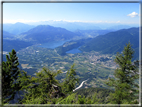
(93, 65)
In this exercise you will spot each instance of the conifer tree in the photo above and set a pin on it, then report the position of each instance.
(10, 72)
(125, 76)
(71, 80)
(43, 88)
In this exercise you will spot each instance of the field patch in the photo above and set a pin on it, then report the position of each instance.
(24, 66)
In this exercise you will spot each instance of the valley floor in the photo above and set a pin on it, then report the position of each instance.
(93, 65)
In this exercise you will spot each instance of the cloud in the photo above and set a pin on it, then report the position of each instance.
(118, 22)
(133, 14)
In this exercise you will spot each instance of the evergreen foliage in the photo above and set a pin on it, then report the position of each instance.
(96, 95)
(124, 83)
(70, 99)
(43, 88)
(10, 72)
(74, 98)
(70, 81)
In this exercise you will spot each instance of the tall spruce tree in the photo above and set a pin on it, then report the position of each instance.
(10, 72)
(125, 76)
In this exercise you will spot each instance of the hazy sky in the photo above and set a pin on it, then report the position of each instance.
(125, 13)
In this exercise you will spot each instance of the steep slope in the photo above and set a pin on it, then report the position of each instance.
(45, 33)
(8, 45)
(7, 35)
(114, 42)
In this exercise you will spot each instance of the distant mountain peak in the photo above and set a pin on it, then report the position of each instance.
(45, 33)
(17, 28)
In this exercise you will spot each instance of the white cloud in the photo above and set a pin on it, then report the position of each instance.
(118, 22)
(133, 14)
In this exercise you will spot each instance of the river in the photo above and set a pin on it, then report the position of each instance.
(80, 85)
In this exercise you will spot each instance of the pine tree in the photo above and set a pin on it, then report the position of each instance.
(43, 88)
(125, 76)
(71, 80)
(10, 72)
(25, 83)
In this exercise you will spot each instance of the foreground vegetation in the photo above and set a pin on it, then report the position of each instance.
(44, 88)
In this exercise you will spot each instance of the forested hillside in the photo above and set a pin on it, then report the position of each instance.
(114, 42)
(15, 44)
(46, 33)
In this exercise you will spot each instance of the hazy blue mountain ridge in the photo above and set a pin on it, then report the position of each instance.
(17, 28)
(73, 26)
(46, 33)
(7, 35)
(119, 27)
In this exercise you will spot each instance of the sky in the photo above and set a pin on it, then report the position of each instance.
(123, 13)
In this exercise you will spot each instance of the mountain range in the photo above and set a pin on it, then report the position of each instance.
(104, 41)
(114, 42)
(119, 27)
(73, 26)
(17, 28)
(46, 33)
